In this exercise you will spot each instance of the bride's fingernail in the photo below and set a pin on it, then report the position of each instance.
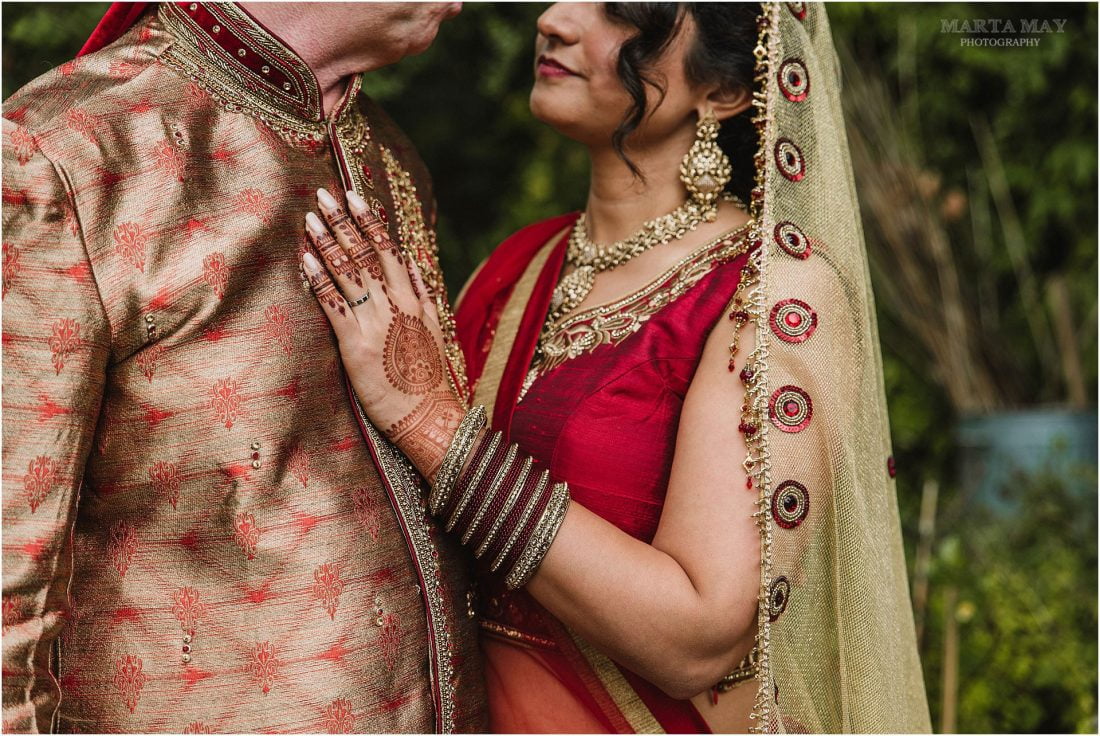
(313, 222)
(311, 264)
(327, 200)
(356, 202)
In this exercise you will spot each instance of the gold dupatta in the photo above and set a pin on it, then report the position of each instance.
(837, 644)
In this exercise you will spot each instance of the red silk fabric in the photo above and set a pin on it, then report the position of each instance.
(606, 423)
(118, 19)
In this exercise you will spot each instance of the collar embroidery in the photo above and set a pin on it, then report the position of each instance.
(248, 69)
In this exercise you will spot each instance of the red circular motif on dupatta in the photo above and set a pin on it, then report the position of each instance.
(790, 409)
(794, 80)
(790, 504)
(792, 320)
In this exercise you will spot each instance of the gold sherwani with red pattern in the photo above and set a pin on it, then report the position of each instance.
(196, 537)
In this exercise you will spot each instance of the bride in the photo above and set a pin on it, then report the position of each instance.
(675, 474)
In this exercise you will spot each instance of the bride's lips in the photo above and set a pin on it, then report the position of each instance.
(549, 67)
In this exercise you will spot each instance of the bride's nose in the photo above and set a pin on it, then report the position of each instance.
(558, 23)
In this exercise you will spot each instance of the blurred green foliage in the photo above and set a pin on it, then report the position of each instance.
(1026, 582)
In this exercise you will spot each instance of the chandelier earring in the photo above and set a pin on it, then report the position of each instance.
(706, 169)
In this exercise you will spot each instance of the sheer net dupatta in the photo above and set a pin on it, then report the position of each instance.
(837, 643)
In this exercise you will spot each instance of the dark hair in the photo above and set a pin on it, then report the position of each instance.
(725, 35)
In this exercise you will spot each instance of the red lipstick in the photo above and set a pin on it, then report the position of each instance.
(548, 67)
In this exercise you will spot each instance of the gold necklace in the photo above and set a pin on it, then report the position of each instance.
(589, 259)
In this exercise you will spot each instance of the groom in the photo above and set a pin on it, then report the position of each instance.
(200, 533)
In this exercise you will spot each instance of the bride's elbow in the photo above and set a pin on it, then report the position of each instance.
(698, 665)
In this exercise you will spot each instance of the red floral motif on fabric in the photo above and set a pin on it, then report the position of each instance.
(226, 401)
(147, 360)
(68, 68)
(264, 666)
(13, 610)
(389, 640)
(338, 718)
(169, 159)
(367, 509)
(81, 122)
(64, 341)
(188, 607)
(328, 586)
(11, 266)
(278, 327)
(299, 465)
(129, 679)
(198, 727)
(122, 69)
(166, 481)
(246, 534)
(23, 145)
(130, 242)
(40, 479)
(215, 272)
(254, 202)
(121, 545)
(195, 93)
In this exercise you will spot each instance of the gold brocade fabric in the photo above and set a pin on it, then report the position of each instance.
(836, 627)
(195, 536)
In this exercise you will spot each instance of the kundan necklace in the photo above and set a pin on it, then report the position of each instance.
(589, 259)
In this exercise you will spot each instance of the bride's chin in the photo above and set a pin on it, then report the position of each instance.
(568, 120)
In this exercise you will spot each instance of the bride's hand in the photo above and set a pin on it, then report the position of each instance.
(387, 327)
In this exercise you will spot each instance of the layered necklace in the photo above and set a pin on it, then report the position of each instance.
(589, 259)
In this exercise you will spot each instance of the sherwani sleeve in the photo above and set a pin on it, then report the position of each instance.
(55, 351)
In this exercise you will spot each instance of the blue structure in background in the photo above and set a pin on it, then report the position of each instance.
(993, 448)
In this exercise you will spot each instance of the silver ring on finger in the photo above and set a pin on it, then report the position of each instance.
(360, 301)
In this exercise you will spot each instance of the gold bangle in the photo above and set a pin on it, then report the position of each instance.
(451, 467)
(532, 502)
(541, 540)
(508, 504)
(494, 489)
(468, 493)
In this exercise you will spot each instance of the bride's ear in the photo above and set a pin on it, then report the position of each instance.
(726, 102)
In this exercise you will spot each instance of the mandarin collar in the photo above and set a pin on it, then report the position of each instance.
(263, 67)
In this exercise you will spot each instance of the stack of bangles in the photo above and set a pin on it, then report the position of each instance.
(499, 508)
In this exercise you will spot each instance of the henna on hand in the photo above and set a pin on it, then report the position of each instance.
(411, 356)
(425, 434)
(325, 289)
(334, 255)
(376, 231)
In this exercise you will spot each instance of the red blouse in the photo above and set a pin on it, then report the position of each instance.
(606, 420)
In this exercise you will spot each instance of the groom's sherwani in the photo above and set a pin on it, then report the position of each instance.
(196, 536)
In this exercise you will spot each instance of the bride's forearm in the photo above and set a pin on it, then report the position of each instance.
(640, 606)
(683, 626)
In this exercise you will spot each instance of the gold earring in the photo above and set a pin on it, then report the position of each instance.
(706, 170)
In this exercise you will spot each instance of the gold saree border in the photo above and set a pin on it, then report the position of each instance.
(640, 718)
(508, 325)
